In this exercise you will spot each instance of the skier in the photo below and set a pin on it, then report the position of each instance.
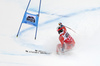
(67, 42)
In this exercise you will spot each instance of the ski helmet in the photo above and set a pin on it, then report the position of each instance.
(59, 30)
(59, 23)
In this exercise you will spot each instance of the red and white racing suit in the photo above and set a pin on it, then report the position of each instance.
(65, 38)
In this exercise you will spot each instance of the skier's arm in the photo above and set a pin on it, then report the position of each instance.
(64, 28)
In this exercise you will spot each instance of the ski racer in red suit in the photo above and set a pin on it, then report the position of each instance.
(67, 42)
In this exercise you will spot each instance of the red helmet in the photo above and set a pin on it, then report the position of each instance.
(59, 23)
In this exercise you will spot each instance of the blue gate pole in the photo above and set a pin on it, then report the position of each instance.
(38, 19)
(23, 17)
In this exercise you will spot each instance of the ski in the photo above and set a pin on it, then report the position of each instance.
(37, 52)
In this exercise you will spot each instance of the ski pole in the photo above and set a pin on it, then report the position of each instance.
(70, 29)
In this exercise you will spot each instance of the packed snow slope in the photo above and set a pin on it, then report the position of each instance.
(82, 16)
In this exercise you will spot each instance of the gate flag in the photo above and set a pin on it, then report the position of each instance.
(31, 19)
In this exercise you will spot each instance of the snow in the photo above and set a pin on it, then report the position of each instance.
(84, 18)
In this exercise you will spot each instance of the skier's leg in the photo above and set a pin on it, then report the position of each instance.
(71, 44)
(58, 48)
(63, 48)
